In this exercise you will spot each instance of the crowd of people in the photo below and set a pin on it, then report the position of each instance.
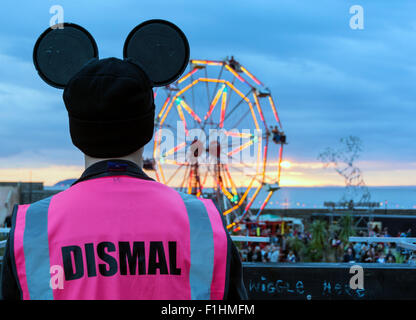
(280, 248)
(268, 253)
(379, 252)
(276, 251)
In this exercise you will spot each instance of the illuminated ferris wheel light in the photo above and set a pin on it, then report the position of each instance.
(237, 103)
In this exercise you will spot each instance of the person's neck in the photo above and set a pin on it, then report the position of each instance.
(136, 157)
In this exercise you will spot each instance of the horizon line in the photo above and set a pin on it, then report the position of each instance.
(282, 186)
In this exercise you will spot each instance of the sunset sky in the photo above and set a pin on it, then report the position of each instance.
(329, 81)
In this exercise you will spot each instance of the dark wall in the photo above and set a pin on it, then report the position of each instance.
(30, 192)
(328, 281)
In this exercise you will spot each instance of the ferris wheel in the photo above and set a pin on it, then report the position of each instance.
(218, 135)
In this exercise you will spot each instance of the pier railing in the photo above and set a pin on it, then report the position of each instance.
(404, 242)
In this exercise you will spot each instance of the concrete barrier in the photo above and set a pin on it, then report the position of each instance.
(329, 281)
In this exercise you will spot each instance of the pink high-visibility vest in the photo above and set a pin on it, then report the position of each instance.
(119, 237)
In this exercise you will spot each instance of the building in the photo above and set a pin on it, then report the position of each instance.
(12, 193)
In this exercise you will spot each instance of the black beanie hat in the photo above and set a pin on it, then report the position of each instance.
(110, 107)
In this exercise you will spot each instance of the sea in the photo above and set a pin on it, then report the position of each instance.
(394, 197)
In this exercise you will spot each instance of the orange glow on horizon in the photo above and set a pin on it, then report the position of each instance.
(286, 164)
(299, 174)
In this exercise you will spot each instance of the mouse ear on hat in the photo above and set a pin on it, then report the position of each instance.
(160, 49)
(60, 53)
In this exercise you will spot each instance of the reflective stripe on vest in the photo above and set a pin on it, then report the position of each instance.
(202, 248)
(32, 248)
(39, 237)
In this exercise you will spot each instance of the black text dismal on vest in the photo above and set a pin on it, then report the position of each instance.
(130, 259)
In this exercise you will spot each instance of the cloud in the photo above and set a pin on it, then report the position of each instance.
(31, 118)
(328, 81)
